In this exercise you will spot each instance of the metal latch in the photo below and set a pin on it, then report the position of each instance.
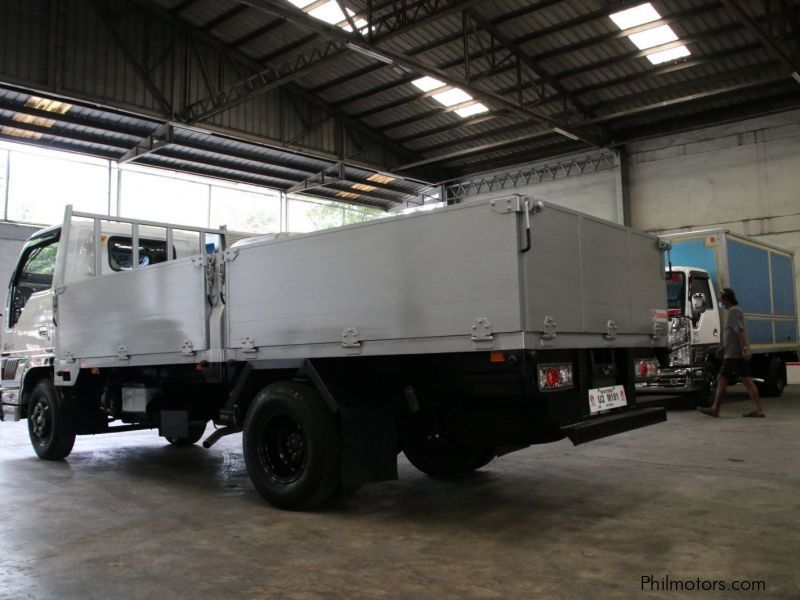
(350, 340)
(69, 357)
(549, 328)
(122, 353)
(611, 330)
(660, 329)
(482, 330)
(187, 349)
(248, 345)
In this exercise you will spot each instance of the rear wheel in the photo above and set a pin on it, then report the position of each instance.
(445, 458)
(775, 381)
(51, 425)
(292, 446)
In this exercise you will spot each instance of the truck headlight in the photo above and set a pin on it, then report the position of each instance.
(680, 357)
(678, 332)
(555, 377)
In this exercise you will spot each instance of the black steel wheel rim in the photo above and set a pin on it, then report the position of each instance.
(282, 449)
(41, 420)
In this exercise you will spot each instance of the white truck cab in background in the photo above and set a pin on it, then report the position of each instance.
(699, 265)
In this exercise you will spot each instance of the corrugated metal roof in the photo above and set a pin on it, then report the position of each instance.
(577, 72)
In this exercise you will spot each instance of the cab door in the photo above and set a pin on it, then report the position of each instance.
(29, 315)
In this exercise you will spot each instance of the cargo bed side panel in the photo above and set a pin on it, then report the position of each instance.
(149, 311)
(584, 272)
(419, 276)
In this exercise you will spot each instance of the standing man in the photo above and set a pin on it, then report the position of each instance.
(736, 357)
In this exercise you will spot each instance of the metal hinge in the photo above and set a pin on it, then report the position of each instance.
(350, 341)
(202, 261)
(187, 349)
(611, 330)
(549, 328)
(230, 255)
(249, 345)
(122, 353)
(482, 331)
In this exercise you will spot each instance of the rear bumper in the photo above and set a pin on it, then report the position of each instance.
(600, 427)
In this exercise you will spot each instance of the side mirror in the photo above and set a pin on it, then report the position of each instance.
(699, 304)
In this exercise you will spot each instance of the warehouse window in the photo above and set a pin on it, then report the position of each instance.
(161, 198)
(34, 198)
(245, 209)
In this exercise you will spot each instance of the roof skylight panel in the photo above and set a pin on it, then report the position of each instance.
(638, 15)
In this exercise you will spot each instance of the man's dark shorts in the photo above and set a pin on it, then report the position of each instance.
(735, 367)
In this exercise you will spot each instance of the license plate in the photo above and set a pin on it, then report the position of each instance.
(601, 399)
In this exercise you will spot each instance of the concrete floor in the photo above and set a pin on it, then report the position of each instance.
(128, 516)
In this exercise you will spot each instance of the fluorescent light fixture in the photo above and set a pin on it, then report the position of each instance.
(328, 12)
(452, 97)
(796, 76)
(638, 15)
(31, 120)
(47, 105)
(667, 55)
(20, 133)
(653, 37)
(426, 84)
(301, 3)
(566, 134)
(348, 195)
(369, 53)
(379, 178)
(472, 109)
(363, 187)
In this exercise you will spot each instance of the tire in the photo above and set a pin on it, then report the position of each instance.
(444, 458)
(775, 381)
(51, 426)
(705, 396)
(292, 446)
(196, 432)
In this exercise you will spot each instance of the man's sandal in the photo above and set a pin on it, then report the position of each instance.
(707, 411)
(754, 413)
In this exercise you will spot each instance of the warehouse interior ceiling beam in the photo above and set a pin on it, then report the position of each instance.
(353, 42)
(780, 36)
(427, 90)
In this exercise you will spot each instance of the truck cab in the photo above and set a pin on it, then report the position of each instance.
(694, 335)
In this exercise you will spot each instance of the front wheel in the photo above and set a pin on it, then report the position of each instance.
(51, 425)
(292, 446)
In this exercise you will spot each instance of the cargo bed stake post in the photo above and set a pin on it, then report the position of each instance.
(98, 261)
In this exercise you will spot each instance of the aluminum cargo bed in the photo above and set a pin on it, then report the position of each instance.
(454, 280)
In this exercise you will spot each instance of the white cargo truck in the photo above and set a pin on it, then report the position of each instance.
(453, 336)
(763, 278)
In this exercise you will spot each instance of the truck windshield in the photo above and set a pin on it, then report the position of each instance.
(676, 292)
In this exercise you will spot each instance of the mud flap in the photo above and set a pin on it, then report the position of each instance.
(369, 444)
